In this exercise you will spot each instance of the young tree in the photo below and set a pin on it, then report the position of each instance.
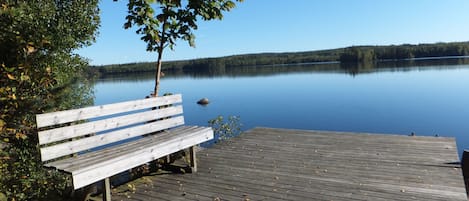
(162, 22)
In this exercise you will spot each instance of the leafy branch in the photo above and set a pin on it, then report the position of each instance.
(162, 22)
(224, 130)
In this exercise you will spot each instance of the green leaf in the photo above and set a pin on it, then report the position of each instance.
(24, 77)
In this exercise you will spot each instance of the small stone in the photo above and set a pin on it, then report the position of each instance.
(203, 101)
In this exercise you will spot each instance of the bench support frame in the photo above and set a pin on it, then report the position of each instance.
(107, 189)
(193, 161)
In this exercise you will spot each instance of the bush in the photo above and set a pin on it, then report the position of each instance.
(225, 130)
(24, 177)
(39, 73)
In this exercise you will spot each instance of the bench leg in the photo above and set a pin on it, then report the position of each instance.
(168, 159)
(193, 159)
(107, 190)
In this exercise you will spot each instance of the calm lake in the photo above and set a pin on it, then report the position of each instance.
(424, 97)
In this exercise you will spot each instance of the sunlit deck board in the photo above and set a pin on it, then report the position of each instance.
(281, 164)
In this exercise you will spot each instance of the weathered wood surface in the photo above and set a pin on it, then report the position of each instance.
(61, 117)
(109, 162)
(75, 146)
(279, 164)
(121, 126)
(116, 137)
(98, 165)
(78, 130)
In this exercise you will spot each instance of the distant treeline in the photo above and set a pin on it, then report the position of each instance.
(218, 65)
(353, 69)
(351, 54)
(401, 52)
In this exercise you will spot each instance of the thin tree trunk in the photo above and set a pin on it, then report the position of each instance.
(158, 73)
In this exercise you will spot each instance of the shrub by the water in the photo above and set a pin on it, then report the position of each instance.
(39, 73)
(225, 129)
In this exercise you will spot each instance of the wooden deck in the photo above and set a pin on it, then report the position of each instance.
(280, 164)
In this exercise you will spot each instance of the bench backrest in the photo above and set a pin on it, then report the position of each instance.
(65, 132)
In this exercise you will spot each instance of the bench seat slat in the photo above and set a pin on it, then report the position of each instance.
(63, 149)
(89, 158)
(127, 156)
(63, 133)
(61, 117)
(122, 151)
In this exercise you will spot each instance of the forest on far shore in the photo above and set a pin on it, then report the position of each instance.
(354, 54)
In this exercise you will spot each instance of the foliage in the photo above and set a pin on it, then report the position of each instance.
(175, 19)
(39, 72)
(224, 130)
(358, 55)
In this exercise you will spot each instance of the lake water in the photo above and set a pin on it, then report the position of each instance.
(427, 99)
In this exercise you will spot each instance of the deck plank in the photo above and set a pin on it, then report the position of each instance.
(285, 164)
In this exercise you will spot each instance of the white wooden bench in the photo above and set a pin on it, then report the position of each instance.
(95, 143)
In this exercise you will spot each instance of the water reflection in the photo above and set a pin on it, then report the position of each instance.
(402, 65)
(353, 69)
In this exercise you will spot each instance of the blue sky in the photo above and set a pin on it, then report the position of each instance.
(257, 26)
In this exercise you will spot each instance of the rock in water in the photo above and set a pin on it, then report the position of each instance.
(203, 101)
